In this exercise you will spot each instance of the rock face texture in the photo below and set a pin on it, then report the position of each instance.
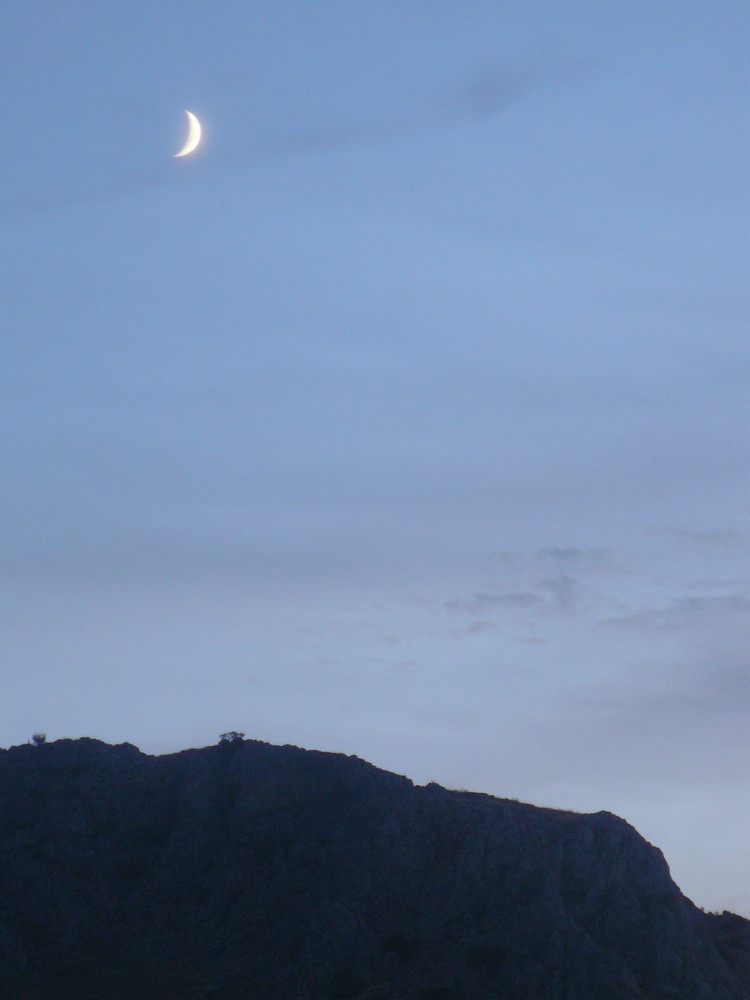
(250, 871)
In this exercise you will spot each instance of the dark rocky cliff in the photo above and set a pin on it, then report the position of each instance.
(246, 870)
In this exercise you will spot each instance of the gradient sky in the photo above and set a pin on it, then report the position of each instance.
(406, 418)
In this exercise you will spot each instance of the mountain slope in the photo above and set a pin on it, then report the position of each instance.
(247, 870)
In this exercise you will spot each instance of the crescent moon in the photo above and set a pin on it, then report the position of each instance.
(194, 135)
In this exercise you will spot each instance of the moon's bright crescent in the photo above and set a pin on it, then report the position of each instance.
(194, 135)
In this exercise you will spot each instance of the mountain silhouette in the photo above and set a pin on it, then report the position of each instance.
(245, 870)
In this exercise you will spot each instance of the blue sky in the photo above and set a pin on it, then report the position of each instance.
(408, 417)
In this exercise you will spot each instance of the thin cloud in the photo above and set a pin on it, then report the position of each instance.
(390, 640)
(686, 698)
(479, 626)
(480, 95)
(567, 555)
(685, 614)
(572, 556)
(483, 602)
(718, 538)
(497, 89)
(564, 589)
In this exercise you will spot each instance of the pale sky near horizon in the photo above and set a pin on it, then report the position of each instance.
(407, 417)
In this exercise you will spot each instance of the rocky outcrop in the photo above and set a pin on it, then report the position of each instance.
(247, 870)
